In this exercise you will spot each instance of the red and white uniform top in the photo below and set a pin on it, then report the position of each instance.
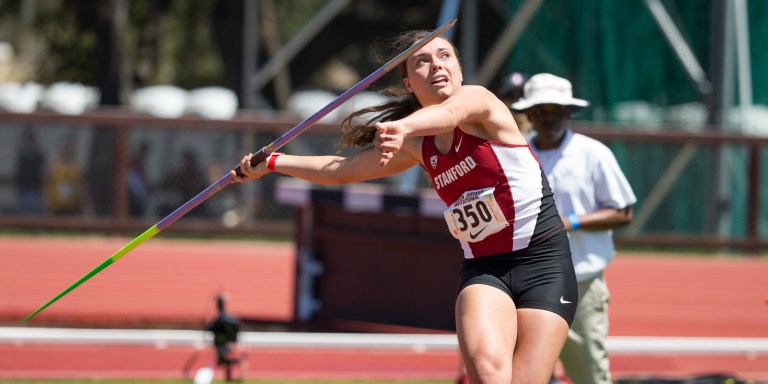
(511, 180)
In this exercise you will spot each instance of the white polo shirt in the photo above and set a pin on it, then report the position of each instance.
(585, 176)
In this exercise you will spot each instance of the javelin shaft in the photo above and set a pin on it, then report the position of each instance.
(148, 234)
(133, 244)
(258, 157)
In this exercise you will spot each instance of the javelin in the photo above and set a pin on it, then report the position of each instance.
(260, 156)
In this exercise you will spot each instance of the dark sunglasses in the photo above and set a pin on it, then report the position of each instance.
(548, 109)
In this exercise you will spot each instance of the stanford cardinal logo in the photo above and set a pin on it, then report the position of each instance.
(433, 161)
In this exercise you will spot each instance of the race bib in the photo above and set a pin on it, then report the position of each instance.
(475, 215)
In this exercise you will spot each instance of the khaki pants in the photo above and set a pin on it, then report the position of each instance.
(584, 356)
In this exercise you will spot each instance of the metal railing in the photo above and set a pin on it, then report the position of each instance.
(659, 163)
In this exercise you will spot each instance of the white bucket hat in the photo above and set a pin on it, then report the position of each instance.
(545, 88)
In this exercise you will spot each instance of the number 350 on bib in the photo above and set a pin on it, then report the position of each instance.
(475, 215)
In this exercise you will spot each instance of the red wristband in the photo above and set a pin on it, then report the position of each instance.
(271, 160)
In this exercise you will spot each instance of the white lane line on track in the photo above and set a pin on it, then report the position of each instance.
(632, 345)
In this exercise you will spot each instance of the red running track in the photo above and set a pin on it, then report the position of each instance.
(175, 281)
(161, 281)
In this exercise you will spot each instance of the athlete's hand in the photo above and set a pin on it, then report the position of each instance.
(249, 172)
(388, 140)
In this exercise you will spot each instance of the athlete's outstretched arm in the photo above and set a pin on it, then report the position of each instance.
(330, 170)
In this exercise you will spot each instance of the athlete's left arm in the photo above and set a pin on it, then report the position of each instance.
(467, 105)
(473, 109)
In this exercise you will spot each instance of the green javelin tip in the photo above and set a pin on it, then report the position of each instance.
(127, 248)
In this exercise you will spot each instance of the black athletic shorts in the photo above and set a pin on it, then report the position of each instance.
(540, 276)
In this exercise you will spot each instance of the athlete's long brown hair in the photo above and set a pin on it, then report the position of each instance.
(357, 128)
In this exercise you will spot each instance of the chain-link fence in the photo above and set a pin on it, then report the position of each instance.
(109, 167)
(114, 172)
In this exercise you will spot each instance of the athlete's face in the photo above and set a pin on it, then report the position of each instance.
(433, 72)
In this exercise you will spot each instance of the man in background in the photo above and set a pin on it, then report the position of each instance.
(593, 197)
(30, 165)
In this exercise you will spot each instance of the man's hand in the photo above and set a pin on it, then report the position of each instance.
(388, 140)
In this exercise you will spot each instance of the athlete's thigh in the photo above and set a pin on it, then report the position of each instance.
(541, 335)
(486, 323)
